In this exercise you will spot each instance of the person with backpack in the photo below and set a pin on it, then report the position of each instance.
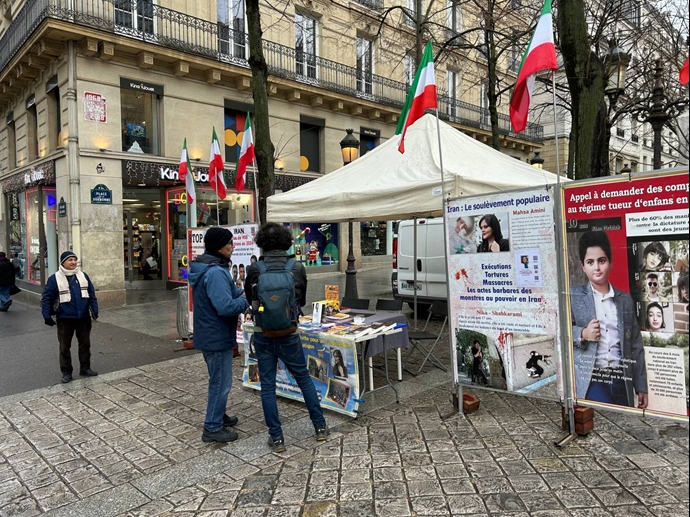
(217, 305)
(276, 288)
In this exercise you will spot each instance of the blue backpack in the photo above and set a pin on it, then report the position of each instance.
(278, 310)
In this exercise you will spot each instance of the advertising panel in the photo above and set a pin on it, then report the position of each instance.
(503, 282)
(332, 365)
(627, 277)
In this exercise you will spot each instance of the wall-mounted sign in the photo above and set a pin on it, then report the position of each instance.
(62, 208)
(101, 195)
(94, 107)
(133, 84)
(14, 207)
(370, 132)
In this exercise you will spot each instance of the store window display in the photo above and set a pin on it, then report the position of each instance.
(315, 244)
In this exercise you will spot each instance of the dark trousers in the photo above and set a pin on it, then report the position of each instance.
(608, 386)
(66, 328)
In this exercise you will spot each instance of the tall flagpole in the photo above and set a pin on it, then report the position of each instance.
(217, 199)
(555, 130)
(256, 190)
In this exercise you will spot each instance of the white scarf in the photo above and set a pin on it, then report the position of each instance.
(63, 284)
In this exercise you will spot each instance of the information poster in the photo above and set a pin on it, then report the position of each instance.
(244, 253)
(627, 259)
(503, 284)
(332, 366)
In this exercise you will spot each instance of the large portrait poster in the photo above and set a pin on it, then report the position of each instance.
(503, 281)
(332, 366)
(627, 278)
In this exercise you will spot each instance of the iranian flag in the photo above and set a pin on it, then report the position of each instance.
(422, 96)
(246, 155)
(215, 168)
(186, 175)
(540, 55)
(684, 75)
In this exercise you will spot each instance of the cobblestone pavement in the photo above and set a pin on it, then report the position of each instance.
(128, 444)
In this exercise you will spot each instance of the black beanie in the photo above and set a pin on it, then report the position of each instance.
(216, 238)
(65, 255)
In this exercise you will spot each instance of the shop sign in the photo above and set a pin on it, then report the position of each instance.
(166, 173)
(101, 195)
(133, 84)
(33, 176)
(369, 132)
(43, 174)
(94, 107)
(62, 208)
(14, 207)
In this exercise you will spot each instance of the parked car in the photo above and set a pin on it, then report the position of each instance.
(430, 265)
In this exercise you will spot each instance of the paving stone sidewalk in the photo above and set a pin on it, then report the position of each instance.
(128, 444)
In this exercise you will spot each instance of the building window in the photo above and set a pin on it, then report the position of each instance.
(137, 15)
(54, 114)
(410, 69)
(31, 129)
(11, 145)
(305, 46)
(368, 140)
(310, 144)
(234, 132)
(484, 115)
(411, 19)
(140, 122)
(483, 50)
(232, 28)
(514, 60)
(373, 238)
(454, 17)
(365, 66)
(452, 92)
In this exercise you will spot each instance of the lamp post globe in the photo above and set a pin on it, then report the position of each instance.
(349, 147)
(537, 161)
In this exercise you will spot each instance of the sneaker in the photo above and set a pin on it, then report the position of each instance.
(67, 377)
(230, 421)
(322, 433)
(88, 373)
(278, 445)
(222, 436)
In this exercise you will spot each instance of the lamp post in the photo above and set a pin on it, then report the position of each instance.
(350, 149)
(616, 68)
(537, 161)
(626, 169)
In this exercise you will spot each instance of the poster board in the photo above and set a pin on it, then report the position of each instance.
(641, 342)
(245, 251)
(332, 366)
(503, 296)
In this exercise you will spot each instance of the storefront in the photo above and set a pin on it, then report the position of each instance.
(315, 244)
(32, 211)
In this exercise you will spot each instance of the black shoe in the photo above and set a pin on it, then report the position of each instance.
(222, 436)
(322, 433)
(230, 421)
(67, 377)
(88, 373)
(278, 445)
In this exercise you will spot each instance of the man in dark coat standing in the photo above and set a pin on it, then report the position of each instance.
(71, 297)
(217, 305)
(6, 281)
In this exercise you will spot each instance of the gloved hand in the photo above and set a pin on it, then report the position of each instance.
(50, 322)
(94, 316)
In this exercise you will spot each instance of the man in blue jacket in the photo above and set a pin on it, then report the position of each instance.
(217, 305)
(70, 296)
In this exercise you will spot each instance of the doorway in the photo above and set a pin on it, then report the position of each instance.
(141, 228)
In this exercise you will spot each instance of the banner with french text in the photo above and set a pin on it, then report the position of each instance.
(503, 285)
(626, 253)
(331, 363)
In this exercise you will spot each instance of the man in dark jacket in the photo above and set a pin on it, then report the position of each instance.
(217, 304)
(6, 281)
(274, 240)
(71, 291)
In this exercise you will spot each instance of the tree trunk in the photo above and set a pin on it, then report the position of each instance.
(263, 146)
(585, 73)
(492, 62)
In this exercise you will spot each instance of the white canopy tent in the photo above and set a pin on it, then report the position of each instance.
(386, 185)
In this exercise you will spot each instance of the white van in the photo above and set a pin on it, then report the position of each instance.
(430, 265)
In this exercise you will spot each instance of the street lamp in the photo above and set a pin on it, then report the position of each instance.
(537, 161)
(626, 169)
(615, 67)
(349, 146)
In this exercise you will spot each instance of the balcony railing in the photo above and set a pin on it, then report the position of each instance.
(145, 21)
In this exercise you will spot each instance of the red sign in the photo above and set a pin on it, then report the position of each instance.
(94, 107)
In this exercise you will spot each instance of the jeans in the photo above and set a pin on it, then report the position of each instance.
(4, 295)
(219, 366)
(607, 386)
(289, 350)
(66, 328)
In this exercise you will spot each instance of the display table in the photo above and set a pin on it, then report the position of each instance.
(332, 364)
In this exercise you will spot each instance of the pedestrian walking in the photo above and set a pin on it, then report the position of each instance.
(276, 288)
(6, 281)
(69, 295)
(217, 305)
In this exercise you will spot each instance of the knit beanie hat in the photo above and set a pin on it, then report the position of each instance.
(216, 238)
(65, 255)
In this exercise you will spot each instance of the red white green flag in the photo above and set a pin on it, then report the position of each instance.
(246, 155)
(185, 174)
(422, 95)
(216, 178)
(540, 55)
(684, 75)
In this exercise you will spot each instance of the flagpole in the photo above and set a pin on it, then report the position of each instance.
(256, 190)
(217, 198)
(555, 131)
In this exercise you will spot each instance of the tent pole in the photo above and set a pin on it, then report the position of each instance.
(414, 272)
